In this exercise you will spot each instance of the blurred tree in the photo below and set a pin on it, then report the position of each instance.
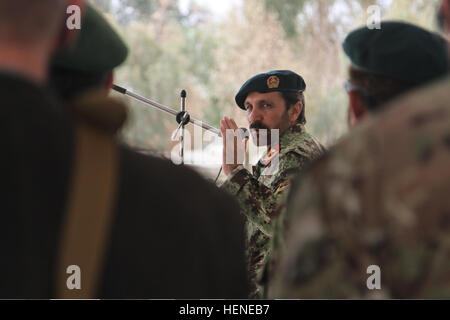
(166, 56)
(287, 12)
(141, 8)
(421, 12)
(102, 5)
(128, 11)
(290, 12)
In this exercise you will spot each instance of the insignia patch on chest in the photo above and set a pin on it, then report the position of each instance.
(283, 186)
(275, 151)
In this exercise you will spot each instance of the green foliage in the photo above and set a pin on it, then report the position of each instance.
(330, 117)
(199, 47)
(421, 12)
(128, 11)
(287, 11)
(102, 5)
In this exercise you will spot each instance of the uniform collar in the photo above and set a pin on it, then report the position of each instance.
(288, 138)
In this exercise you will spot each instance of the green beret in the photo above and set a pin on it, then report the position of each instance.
(398, 50)
(278, 80)
(97, 49)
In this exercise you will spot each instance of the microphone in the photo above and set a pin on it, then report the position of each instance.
(244, 133)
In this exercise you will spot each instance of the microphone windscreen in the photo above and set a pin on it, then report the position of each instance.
(243, 132)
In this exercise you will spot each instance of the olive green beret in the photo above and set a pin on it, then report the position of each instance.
(278, 80)
(98, 47)
(398, 50)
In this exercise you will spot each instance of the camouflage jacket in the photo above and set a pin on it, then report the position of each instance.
(379, 198)
(259, 193)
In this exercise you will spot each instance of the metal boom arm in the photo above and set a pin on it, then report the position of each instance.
(165, 109)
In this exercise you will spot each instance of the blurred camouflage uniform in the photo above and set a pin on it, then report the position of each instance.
(380, 198)
(260, 193)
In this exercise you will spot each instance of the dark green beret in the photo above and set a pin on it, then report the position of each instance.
(398, 50)
(98, 47)
(278, 80)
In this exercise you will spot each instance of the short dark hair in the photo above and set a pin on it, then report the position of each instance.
(378, 89)
(67, 84)
(293, 97)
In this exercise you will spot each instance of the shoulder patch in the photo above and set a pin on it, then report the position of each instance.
(282, 186)
(275, 151)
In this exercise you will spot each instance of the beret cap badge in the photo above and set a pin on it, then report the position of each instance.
(273, 82)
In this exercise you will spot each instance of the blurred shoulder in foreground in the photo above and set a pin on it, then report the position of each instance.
(379, 198)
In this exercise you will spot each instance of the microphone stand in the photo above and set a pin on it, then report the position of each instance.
(182, 124)
(182, 116)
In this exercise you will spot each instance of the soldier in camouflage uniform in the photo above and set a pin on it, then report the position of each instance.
(380, 198)
(272, 101)
(420, 57)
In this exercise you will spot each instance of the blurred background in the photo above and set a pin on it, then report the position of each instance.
(211, 47)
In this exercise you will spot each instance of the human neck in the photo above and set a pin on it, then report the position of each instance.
(30, 62)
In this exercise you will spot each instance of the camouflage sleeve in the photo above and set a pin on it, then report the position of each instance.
(302, 212)
(258, 202)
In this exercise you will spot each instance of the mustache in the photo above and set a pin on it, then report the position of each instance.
(258, 125)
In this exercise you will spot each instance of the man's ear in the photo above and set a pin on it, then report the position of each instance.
(295, 111)
(66, 36)
(109, 82)
(357, 108)
(446, 12)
